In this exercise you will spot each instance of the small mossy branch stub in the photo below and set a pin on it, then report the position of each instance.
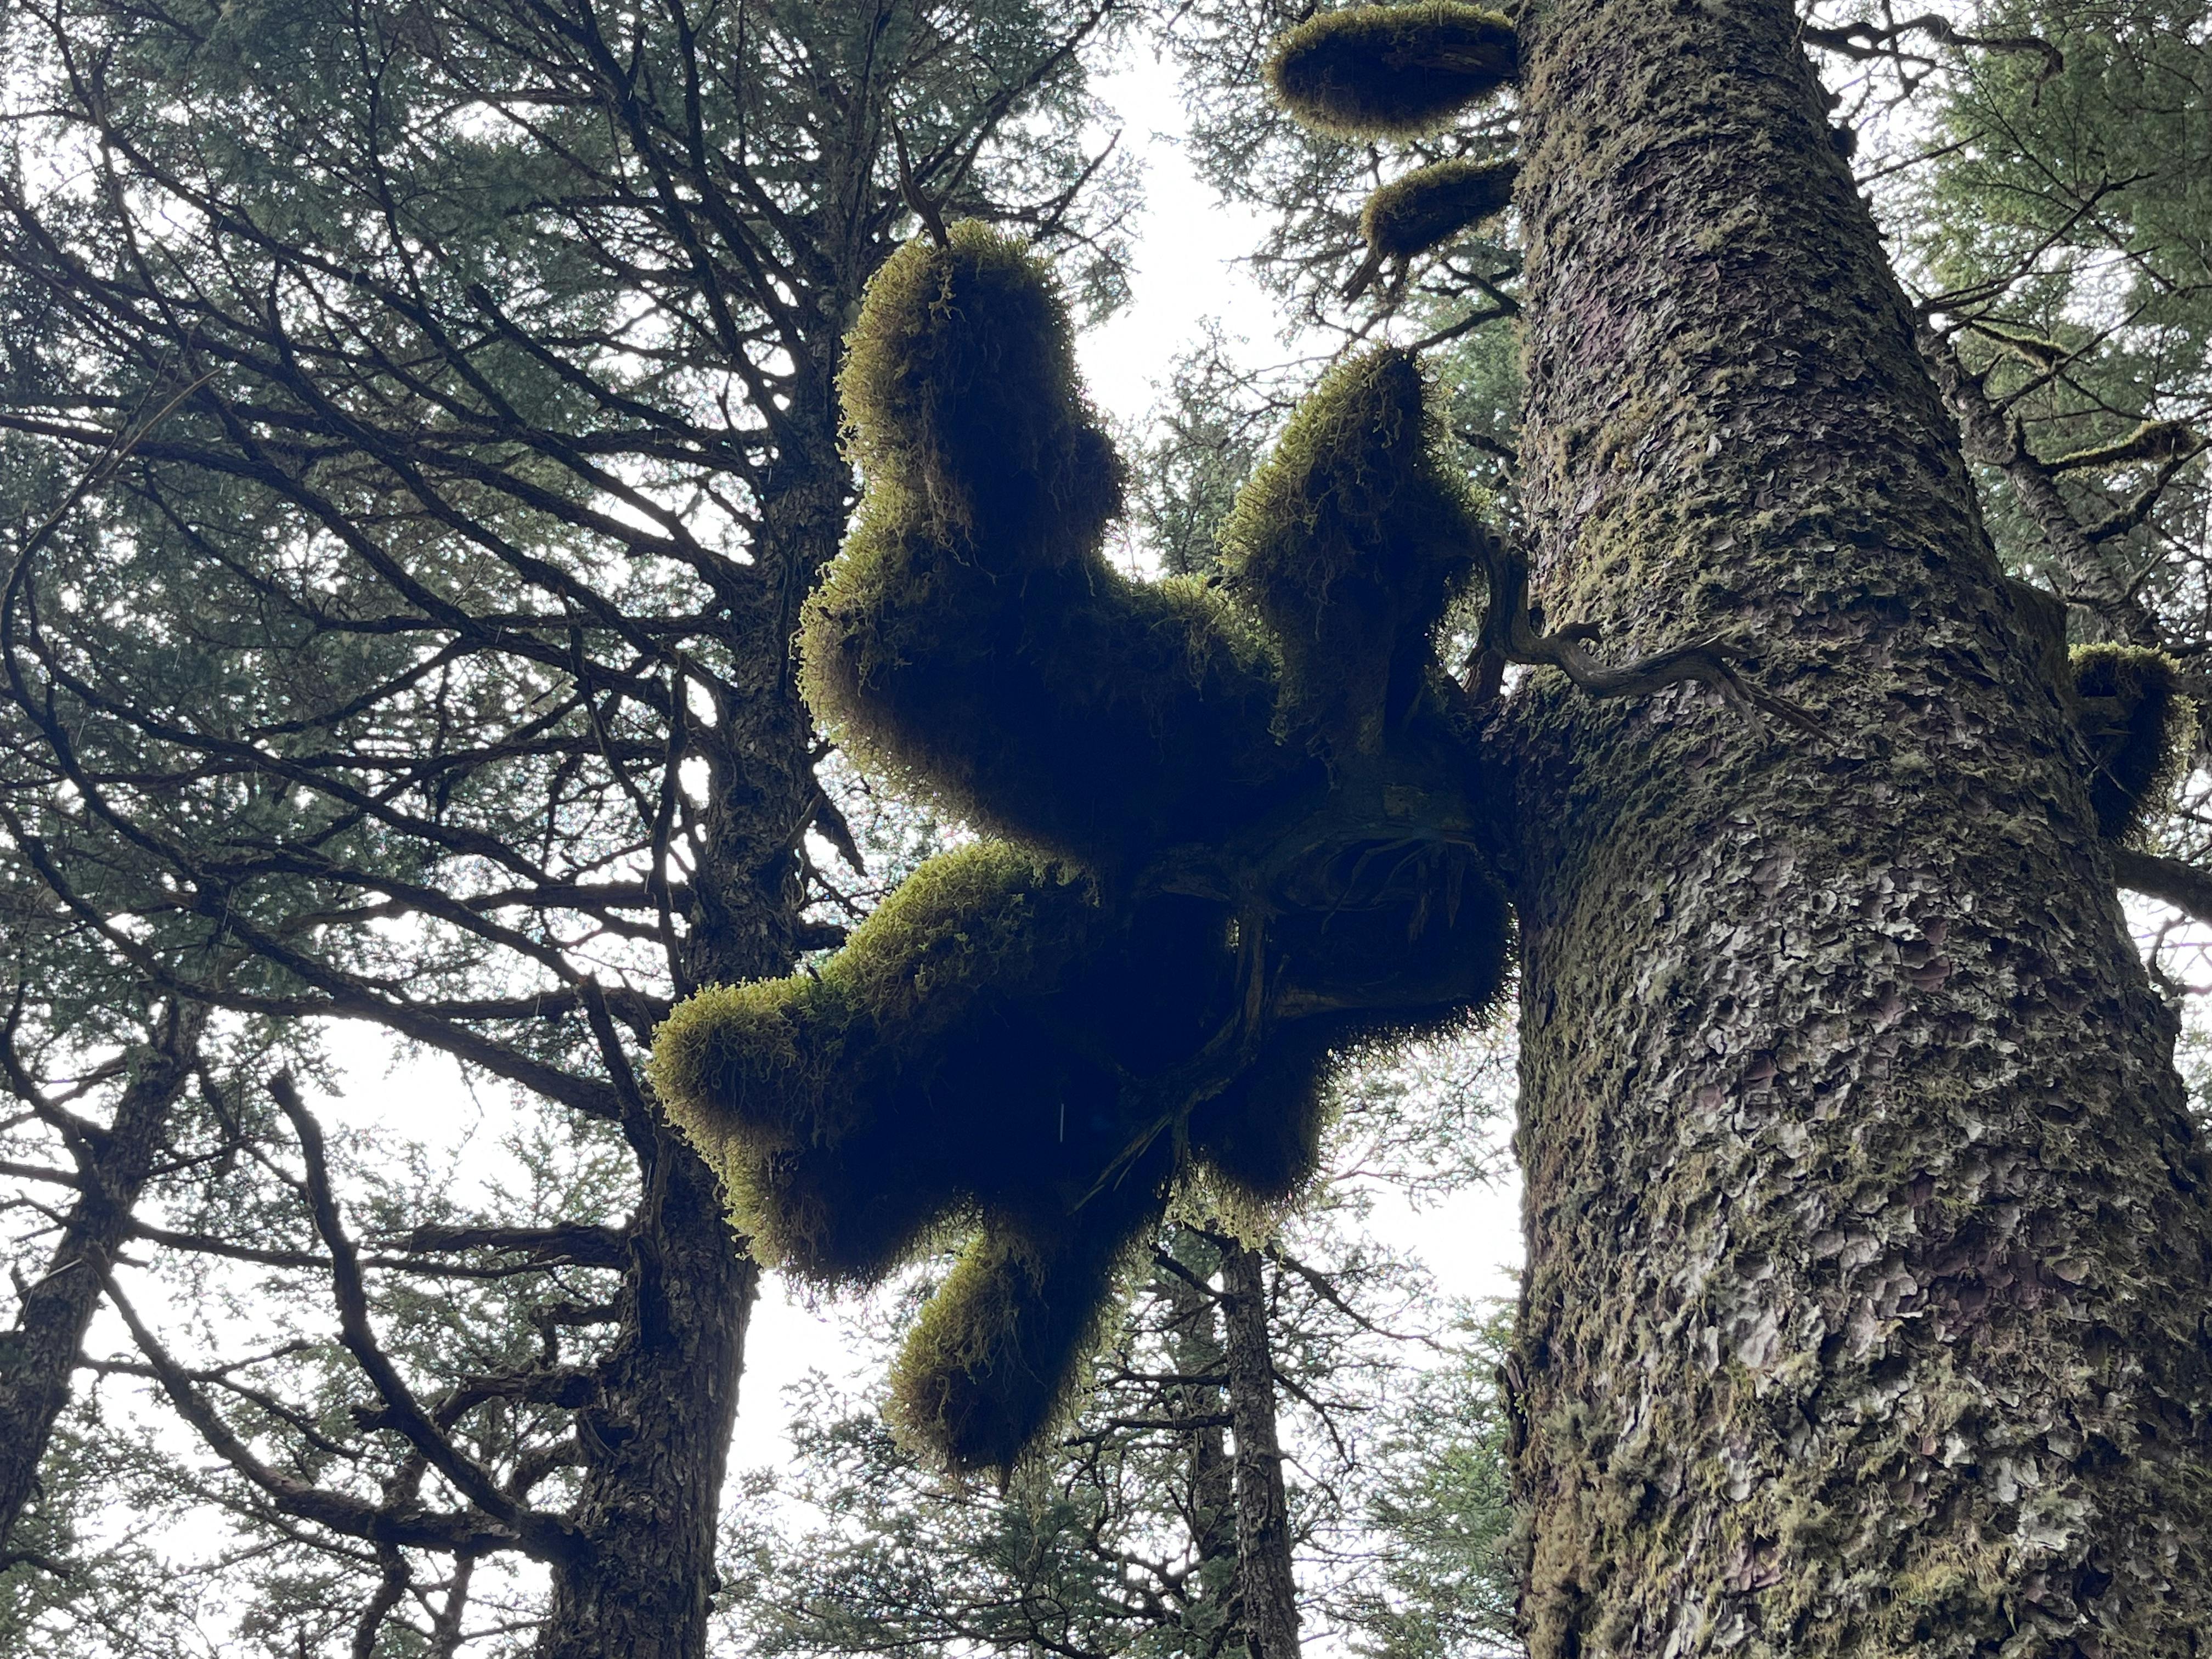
(1349, 542)
(1392, 71)
(1427, 208)
(1241, 831)
(2138, 727)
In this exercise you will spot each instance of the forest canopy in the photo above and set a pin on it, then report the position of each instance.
(565, 548)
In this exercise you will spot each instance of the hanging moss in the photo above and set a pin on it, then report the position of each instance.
(1391, 71)
(991, 1365)
(2139, 728)
(1037, 1046)
(1349, 542)
(1426, 208)
(973, 639)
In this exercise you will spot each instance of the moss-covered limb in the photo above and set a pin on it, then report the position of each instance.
(1391, 71)
(837, 1107)
(1426, 208)
(991, 1366)
(1079, 711)
(2098, 585)
(972, 638)
(1349, 542)
(967, 415)
(2139, 729)
(1868, 1232)
(2153, 441)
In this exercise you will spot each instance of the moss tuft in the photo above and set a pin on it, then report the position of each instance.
(961, 391)
(1425, 209)
(835, 1106)
(973, 639)
(991, 1366)
(1391, 71)
(2139, 728)
(1349, 541)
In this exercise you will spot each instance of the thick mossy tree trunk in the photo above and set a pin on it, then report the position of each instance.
(1868, 1233)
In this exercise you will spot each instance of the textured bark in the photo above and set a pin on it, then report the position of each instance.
(1267, 1591)
(1867, 1234)
(40, 1355)
(657, 1443)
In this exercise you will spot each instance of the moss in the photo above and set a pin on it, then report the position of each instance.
(1036, 1039)
(972, 639)
(2139, 729)
(1426, 208)
(1391, 71)
(960, 391)
(1350, 541)
(834, 1107)
(991, 1366)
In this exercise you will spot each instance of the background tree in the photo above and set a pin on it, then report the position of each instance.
(456, 389)
(1125, 1538)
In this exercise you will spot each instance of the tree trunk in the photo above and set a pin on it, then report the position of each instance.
(1868, 1233)
(1195, 1349)
(1267, 1590)
(657, 1443)
(40, 1355)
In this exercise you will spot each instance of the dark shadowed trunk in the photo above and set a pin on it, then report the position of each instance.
(1194, 1341)
(1267, 1590)
(1868, 1233)
(38, 1357)
(657, 1443)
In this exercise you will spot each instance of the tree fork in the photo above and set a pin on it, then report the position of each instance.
(1867, 1232)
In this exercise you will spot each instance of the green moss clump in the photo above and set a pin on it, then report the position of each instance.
(1426, 208)
(1349, 541)
(1249, 810)
(1392, 71)
(834, 1107)
(966, 1059)
(2139, 728)
(992, 1363)
(973, 639)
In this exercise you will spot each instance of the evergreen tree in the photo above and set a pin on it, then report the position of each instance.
(1724, 400)
(452, 393)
